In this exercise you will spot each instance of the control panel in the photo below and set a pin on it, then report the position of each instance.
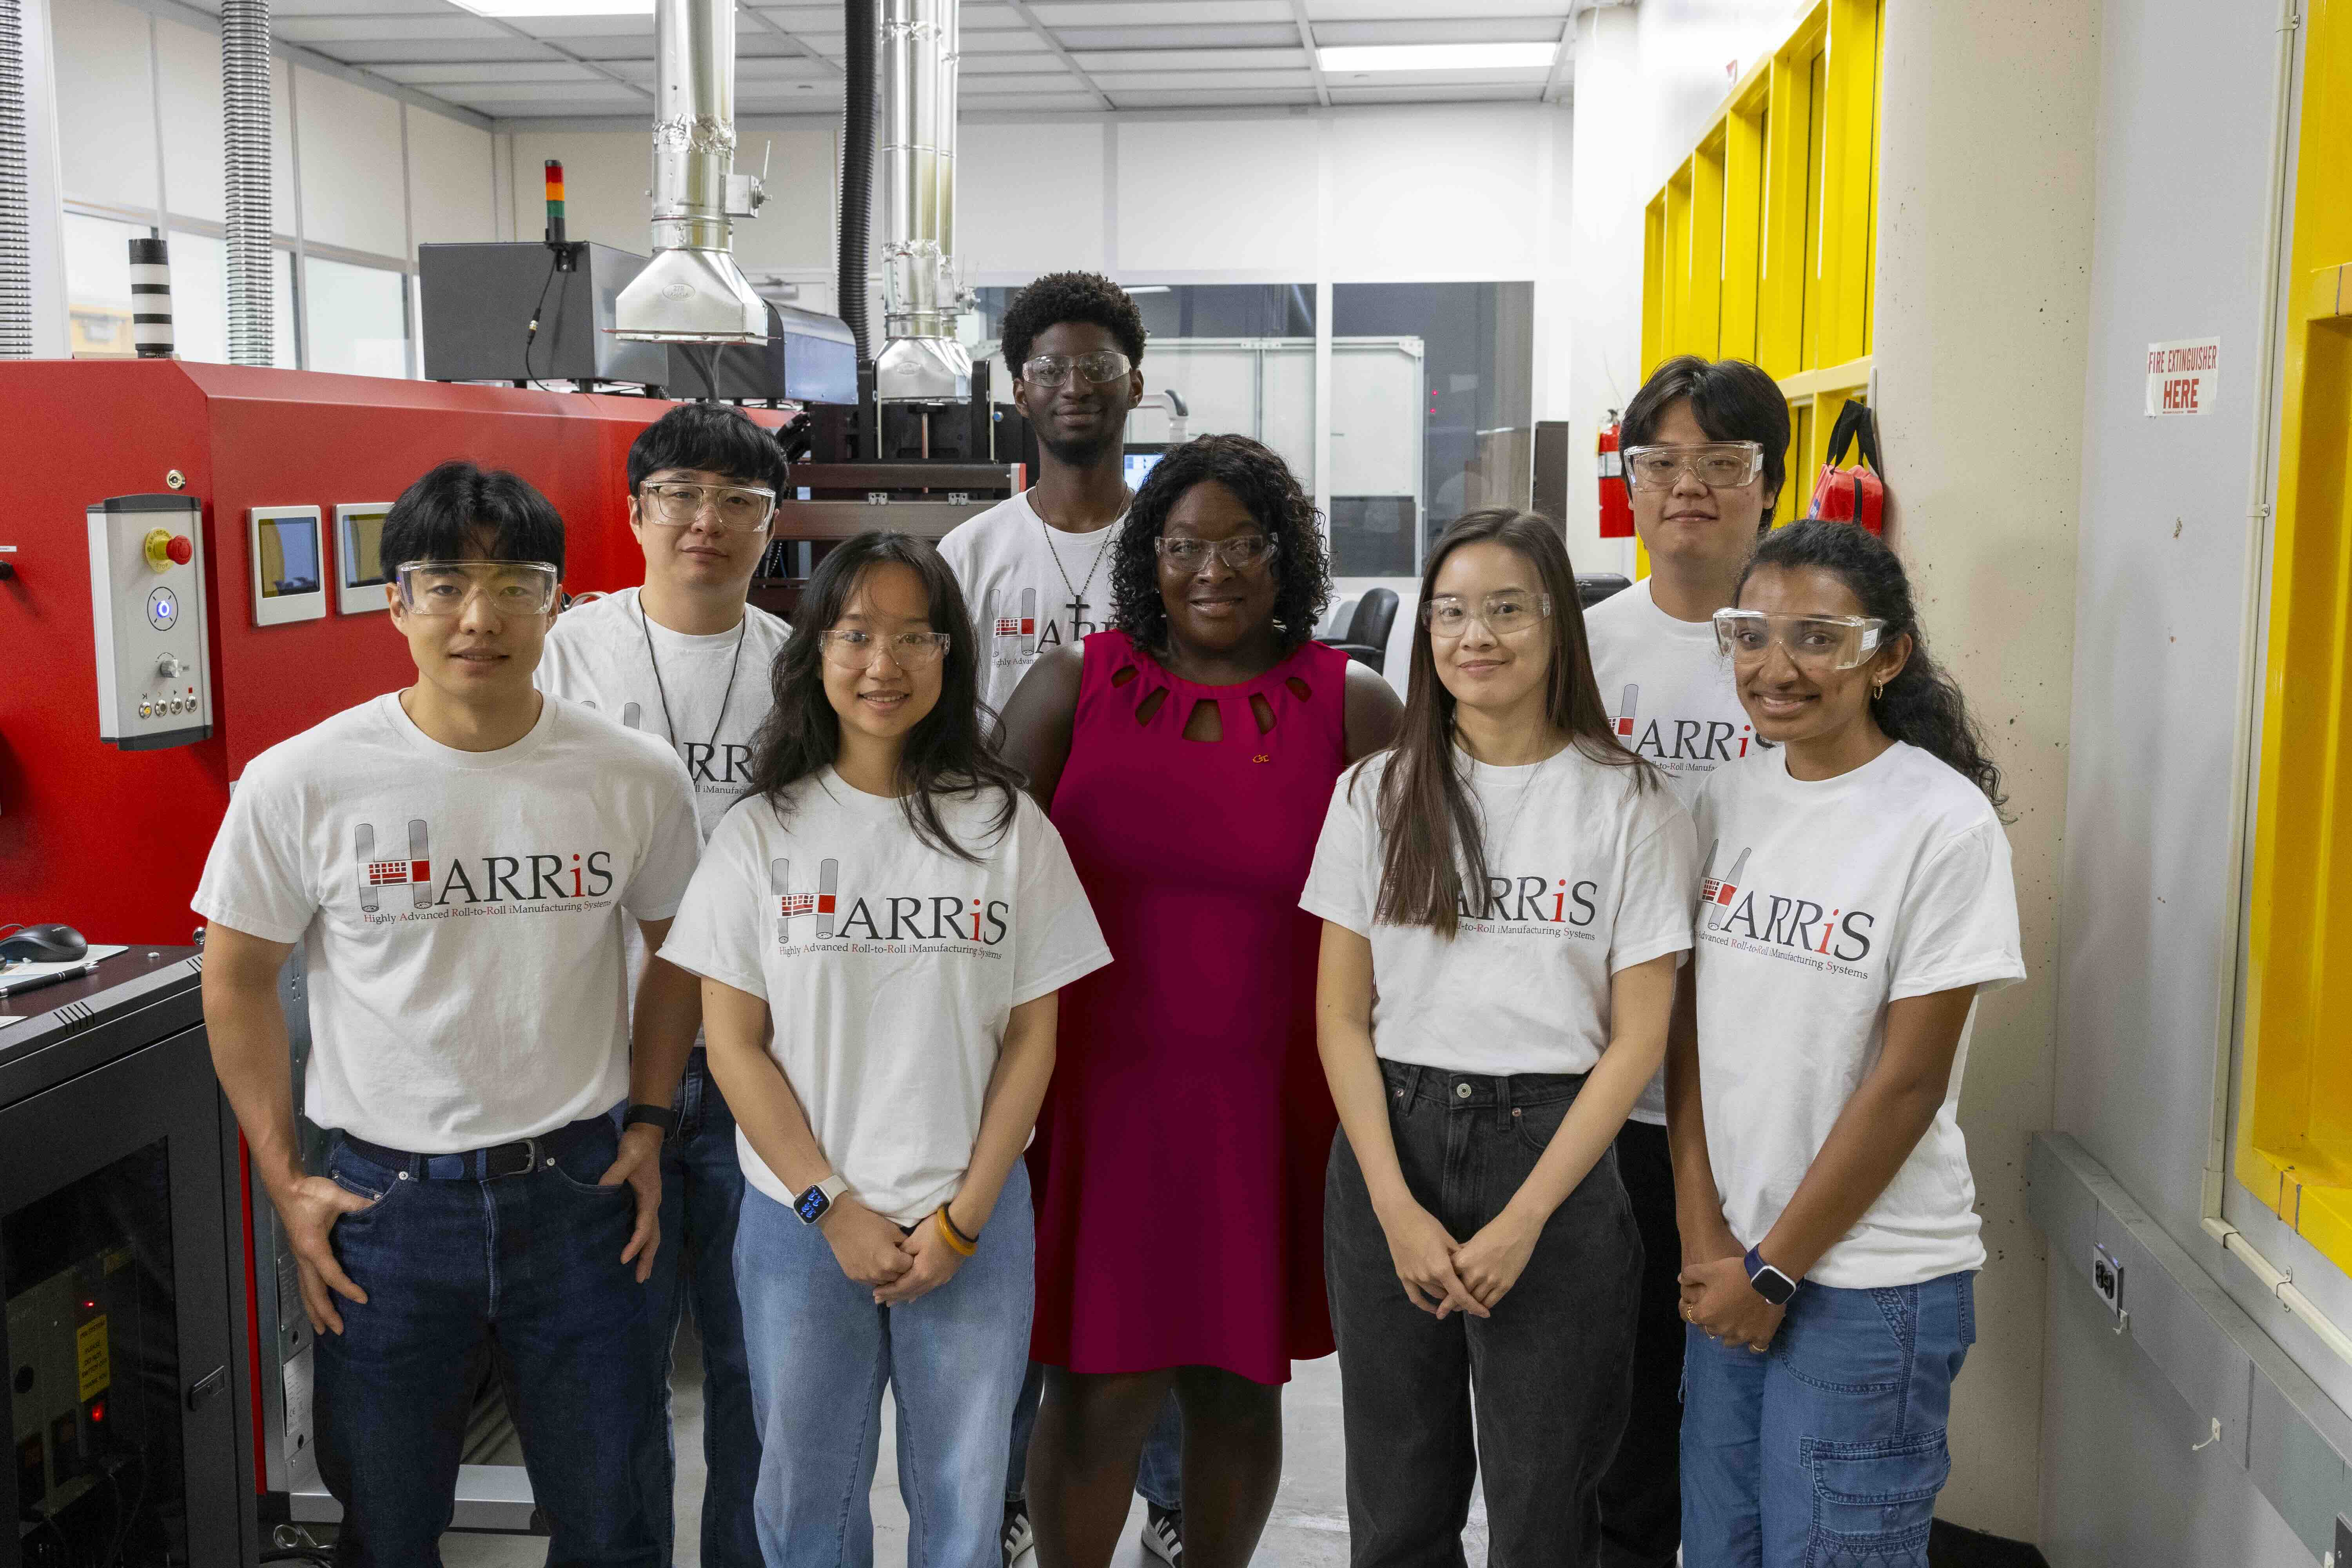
(286, 548)
(147, 607)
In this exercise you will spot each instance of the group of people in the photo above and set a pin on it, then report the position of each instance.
(1044, 982)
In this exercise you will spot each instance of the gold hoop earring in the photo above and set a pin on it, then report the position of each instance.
(1877, 690)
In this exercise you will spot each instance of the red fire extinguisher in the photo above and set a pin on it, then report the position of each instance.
(1616, 506)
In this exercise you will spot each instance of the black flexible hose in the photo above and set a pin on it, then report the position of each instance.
(857, 167)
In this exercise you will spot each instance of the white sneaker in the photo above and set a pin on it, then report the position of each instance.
(1020, 1542)
(1163, 1533)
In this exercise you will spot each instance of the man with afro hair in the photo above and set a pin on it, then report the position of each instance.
(1036, 569)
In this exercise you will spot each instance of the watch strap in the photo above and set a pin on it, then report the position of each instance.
(812, 1204)
(660, 1116)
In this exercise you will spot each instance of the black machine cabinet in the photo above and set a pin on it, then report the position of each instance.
(127, 1381)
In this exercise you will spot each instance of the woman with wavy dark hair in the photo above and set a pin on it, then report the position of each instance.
(1857, 896)
(881, 926)
(1186, 754)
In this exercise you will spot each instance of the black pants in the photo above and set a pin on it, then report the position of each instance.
(1551, 1369)
(1641, 1495)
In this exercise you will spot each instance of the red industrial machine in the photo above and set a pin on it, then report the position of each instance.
(109, 837)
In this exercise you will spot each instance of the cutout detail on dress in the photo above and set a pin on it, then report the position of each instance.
(1148, 709)
(1299, 688)
(1121, 677)
(1263, 711)
(1208, 720)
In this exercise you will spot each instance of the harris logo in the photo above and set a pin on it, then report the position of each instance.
(882, 918)
(1781, 921)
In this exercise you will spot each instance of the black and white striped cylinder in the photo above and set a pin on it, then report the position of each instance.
(150, 299)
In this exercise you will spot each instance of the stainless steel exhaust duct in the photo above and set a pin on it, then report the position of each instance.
(247, 124)
(16, 191)
(921, 362)
(694, 292)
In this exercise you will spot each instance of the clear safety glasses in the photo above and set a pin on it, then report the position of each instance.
(1240, 553)
(444, 587)
(1814, 643)
(1051, 370)
(1718, 465)
(1502, 614)
(907, 651)
(733, 509)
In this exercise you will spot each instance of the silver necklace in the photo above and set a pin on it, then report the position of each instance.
(1078, 595)
(734, 664)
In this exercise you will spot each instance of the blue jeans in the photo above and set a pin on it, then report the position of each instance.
(821, 1352)
(1826, 1451)
(1158, 1480)
(453, 1266)
(702, 1191)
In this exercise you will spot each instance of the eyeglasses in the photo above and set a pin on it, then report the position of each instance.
(907, 651)
(733, 509)
(1051, 370)
(1719, 465)
(444, 587)
(1242, 552)
(1814, 643)
(1502, 614)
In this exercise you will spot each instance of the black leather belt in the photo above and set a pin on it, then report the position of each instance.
(483, 1165)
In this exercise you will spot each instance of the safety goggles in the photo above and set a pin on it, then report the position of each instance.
(733, 508)
(1502, 614)
(908, 651)
(1051, 370)
(1814, 643)
(1242, 552)
(1718, 465)
(445, 587)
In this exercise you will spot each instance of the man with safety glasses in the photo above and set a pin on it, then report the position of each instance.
(454, 858)
(1035, 568)
(687, 659)
(1705, 444)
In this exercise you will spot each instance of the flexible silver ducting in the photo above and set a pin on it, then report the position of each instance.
(16, 191)
(921, 362)
(245, 122)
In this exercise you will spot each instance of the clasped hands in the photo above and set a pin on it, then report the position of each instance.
(1442, 1276)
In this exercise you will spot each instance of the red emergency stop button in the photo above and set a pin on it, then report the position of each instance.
(180, 550)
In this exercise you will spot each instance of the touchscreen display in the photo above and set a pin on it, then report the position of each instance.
(364, 549)
(290, 555)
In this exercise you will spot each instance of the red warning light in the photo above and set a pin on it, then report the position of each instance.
(97, 1411)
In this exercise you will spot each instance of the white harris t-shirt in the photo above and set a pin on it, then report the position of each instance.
(596, 655)
(1587, 874)
(890, 969)
(1032, 588)
(1823, 902)
(1672, 699)
(460, 914)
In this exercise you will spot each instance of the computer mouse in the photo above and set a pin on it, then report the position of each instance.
(44, 944)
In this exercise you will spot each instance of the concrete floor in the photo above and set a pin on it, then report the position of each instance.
(1309, 1528)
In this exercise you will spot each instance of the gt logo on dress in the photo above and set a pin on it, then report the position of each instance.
(416, 872)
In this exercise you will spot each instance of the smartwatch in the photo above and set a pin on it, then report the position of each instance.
(660, 1116)
(812, 1205)
(1768, 1281)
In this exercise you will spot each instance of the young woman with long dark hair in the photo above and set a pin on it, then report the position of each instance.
(1857, 896)
(1506, 897)
(889, 903)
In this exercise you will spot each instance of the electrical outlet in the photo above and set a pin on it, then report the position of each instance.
(2107, 1278)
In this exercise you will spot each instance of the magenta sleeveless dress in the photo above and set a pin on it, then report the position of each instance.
(1179, 1161)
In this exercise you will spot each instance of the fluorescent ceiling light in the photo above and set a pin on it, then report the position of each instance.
(1356, 57)
(557, 7)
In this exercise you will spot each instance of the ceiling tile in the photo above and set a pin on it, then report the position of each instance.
(1432, 10)
(459, 72)
(587, 26)
(546, 97)
(1218, 98)
(1191, 59)
(974, 88)
(368, 52)
(1032, 101)
(1023, 42)
(325, 32)
(1119, 83)
(1060, 14)
(1538, 75)
(1456, 93)
(279, 10)
(978, 17)
(805, 18)
(1232, 37)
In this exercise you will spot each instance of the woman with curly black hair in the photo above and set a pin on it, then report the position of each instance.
(1186, 754)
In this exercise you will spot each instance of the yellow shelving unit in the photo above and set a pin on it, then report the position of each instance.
(2295, 1122)
(1760, 245)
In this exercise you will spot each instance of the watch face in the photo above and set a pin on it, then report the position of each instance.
(812, 1205)
(1773, 1286)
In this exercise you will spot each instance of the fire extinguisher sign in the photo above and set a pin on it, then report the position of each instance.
(2183, 377)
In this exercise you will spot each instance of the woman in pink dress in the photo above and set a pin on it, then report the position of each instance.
(1187, 755)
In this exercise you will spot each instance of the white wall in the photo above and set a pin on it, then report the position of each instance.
(1982, 301)
(2162, 579)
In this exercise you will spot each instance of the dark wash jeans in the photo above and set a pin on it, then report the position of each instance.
(1551, 1368)
(702, 1198)
(530, 1267)
(1641, 1496)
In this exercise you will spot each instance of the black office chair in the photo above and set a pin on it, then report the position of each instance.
(1367, 638)
(1591, 588)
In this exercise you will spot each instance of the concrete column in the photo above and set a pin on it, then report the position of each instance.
(1986, 166)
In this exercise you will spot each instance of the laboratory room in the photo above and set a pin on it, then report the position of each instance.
(1174, 783)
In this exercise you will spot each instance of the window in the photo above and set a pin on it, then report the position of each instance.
(356, 318)
(98, 286)
(200, 300)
